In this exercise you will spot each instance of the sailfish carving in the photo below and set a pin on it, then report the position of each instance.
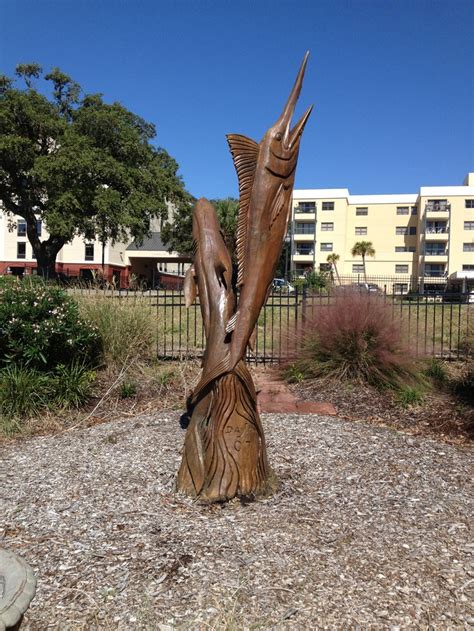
(266, 173)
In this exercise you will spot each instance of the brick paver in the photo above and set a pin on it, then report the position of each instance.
(274, 396)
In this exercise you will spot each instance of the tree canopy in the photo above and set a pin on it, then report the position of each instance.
(84, 167)
(177, 234)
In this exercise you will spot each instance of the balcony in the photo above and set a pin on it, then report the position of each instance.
(303, 258)
(305, 211)
(439, 210)
(303, 236)
(304, 216)
(436, 257)
(436, 234)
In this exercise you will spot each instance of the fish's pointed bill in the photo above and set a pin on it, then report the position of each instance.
(298, 128)
(295, 92)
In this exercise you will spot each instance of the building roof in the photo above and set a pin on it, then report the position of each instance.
(151, 243)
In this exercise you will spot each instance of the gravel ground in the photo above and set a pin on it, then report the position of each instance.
(369, 527)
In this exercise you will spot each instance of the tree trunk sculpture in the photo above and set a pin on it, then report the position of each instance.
(224, 450)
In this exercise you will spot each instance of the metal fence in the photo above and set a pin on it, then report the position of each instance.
(433, 324)
(436, 323)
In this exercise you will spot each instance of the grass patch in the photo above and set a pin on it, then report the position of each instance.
(408, 396)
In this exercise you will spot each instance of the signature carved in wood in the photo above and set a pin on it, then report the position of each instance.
(224, 450)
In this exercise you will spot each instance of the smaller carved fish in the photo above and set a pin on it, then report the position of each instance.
(210, 277)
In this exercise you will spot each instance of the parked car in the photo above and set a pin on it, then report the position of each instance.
(370, 288)
(281, 283)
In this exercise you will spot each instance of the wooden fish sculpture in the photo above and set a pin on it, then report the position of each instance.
(266, 174)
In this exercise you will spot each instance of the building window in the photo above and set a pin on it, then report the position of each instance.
(361, 230)
(362, 210)
(401, 269)
(357, 268)
(305, 207)
(21, 250)
(414, 210)
(412, 230)
(400, 288)
(327, 226)
(89, 252)
(304, 228)
(469, 225)
(401, 230)
(21, 228)
(326, 247)
(327, 206)
(468, 247)
(39, 227)
(469, 203)
(402, 210)
(405, 248)
(467, 268)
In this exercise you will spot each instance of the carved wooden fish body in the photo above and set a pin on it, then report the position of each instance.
(210, 275)
(266, 173)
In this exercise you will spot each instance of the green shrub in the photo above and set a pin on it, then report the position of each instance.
(293, 374)
(436, 370)
(24, 392)
(41, 328)
(408, 396)
(355, 337)
(72, 385)
(126, 326)
(128, 389)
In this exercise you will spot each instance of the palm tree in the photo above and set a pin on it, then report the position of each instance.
(363, 249)
(333, 259)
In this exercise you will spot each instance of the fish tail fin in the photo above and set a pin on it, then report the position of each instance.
(220, 369)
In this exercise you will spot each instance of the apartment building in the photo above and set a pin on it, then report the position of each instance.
(429, 234)
(148, 262)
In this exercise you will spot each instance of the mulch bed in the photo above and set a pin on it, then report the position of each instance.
(369, 528)
(441, 415)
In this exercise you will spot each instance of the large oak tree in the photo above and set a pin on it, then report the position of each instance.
(84, 167)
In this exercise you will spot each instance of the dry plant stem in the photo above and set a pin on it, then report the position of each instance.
(126, 366)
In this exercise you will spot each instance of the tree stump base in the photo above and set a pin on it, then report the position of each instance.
(224, 452)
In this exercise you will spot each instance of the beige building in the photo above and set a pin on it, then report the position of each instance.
(149, 262)
(428, 235)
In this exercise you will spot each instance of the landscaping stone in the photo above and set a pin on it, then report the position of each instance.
(17, 589)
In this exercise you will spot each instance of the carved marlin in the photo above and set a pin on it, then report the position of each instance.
(266, 174)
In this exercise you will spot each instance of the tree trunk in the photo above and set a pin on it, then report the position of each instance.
(365, 271)
(337, 274)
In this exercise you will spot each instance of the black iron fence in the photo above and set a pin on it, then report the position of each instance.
(438, 322)
(434, 324)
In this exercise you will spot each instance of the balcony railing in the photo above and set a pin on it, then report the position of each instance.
(305, 230)
(431, 230)
(436, 252)
(301, 208)
(434, 273)
(441, 207)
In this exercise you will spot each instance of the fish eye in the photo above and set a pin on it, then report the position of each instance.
(278, 136)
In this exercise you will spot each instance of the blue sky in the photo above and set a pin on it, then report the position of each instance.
(391, 81)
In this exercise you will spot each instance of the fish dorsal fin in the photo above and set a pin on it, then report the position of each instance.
(245, 155)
